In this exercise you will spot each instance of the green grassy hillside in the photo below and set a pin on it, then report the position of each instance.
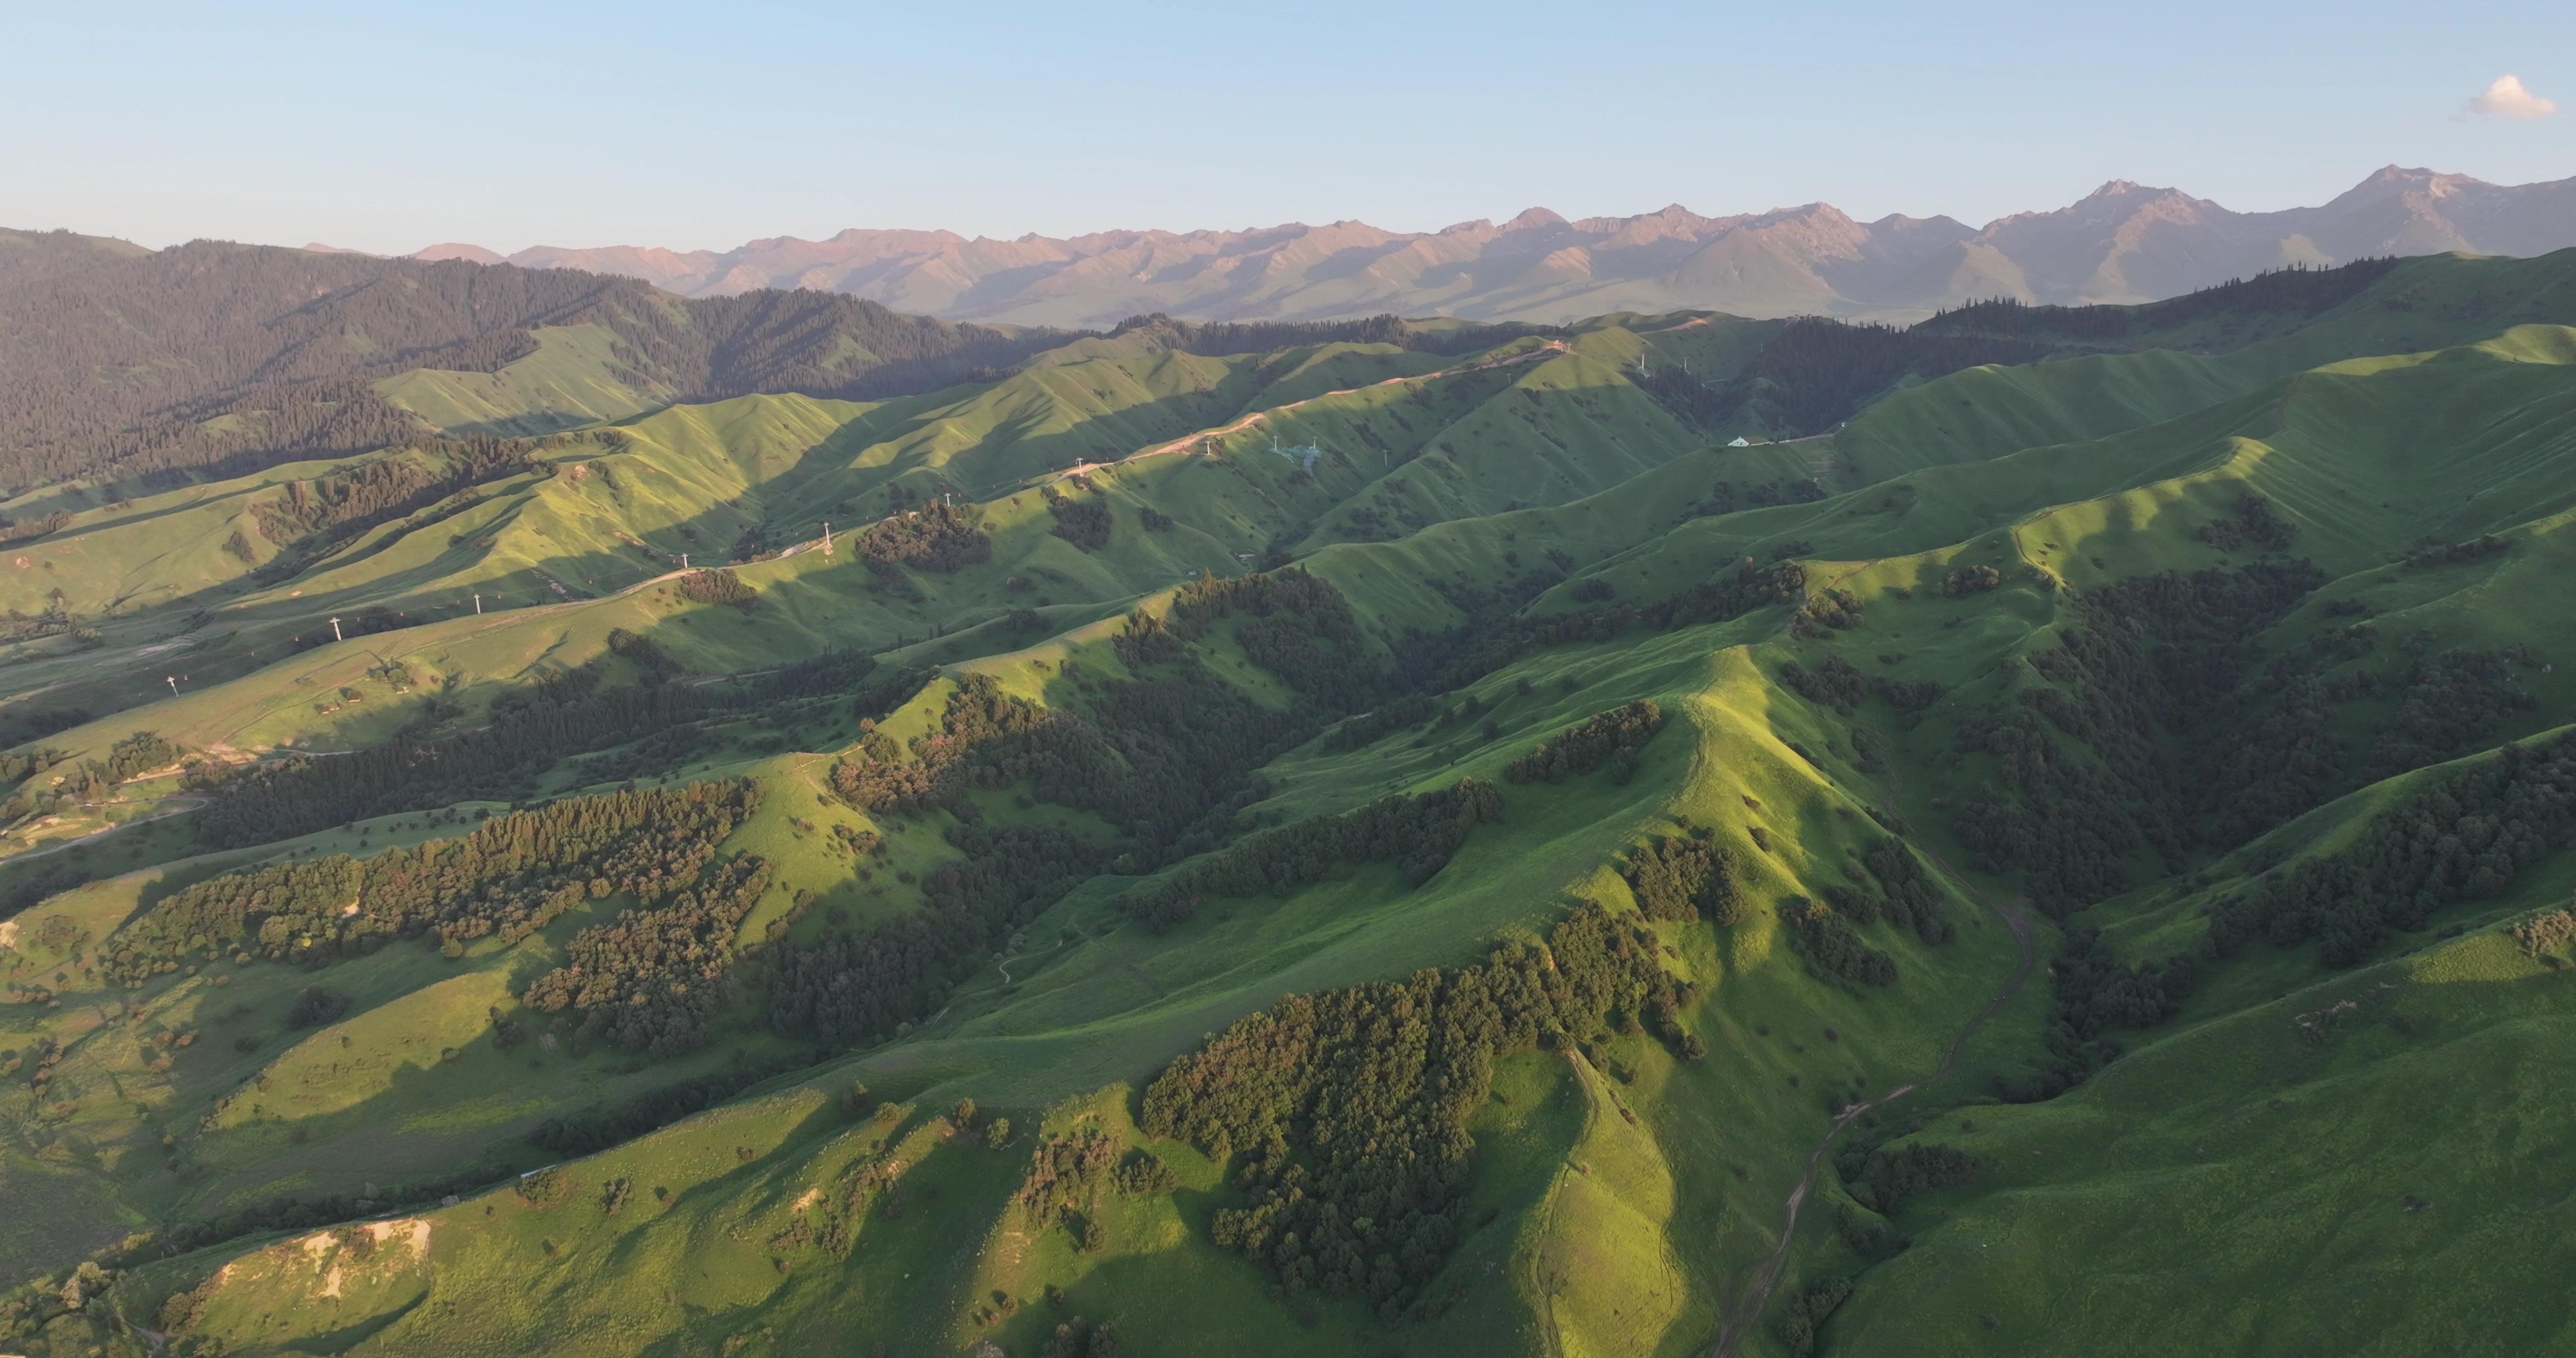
(1337, 849)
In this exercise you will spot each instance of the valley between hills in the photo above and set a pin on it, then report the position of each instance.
(548, 816)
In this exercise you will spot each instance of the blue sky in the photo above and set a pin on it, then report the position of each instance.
(697, 125)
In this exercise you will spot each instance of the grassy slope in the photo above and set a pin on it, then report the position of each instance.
(2138, 1197)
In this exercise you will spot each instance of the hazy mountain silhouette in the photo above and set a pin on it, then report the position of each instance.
(2123, 242)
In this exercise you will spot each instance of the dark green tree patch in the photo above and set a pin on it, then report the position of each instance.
(1829, 944)
(316, 1006)
(1419, 833)
(2462, 837)
(936, 537)
(652, 979)
(1348, 1109)
(1685, 879)
(1614, 737)
(2453, 553)
(508, 877)
(2253, 522)
(718, 586)
(1083, 522)
(1971, 580)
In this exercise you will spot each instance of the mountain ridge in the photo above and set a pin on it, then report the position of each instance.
(2124, 243)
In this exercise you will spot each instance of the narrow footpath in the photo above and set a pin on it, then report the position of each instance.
(1756, 1297)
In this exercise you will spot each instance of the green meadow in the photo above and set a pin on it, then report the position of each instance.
(2050, 597)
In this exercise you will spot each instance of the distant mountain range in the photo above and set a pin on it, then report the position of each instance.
(2123, 242)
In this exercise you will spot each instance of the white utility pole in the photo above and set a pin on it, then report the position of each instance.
(335, 631)
(827, 537)
(684, 561)
(173, 682)
(478, 603)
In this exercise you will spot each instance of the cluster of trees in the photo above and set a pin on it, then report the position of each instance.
(1493, 639)
(1168, 760)
(316, 1006)
(265, 335)
(2294, 289)
(1081, 1338)
(1832, 946)
(1802, 1321)
(1084, 523)
(2093, 992)
(1068, 1174)
(1839, 684)
(311, 518)
(1911, 898)
(246, 331)
(2188, 750)
(529, 731)
(2252, 522)
(509, 877)
(2462, 837)
(1614, 737)
(2148, 664)
(1724, 498)
(653, 665)
(1687, 879)
(1881, 1179)
(1971, 580)
(55, 621)
(1301, 629)
(597, 1129)
(2452, 553)
(936, 537)
(811, 341)
(1146, 641)
(1817, 372)
(847, 988)
(1692, 401)
(92, 780)
(1349, 1109)
(1721, 599)
(2546, 931)
(2445, 704)
(717, 585)
(28, 530)
(835, 1213)
(1217, 338)
(1420, 833)
(652, 979)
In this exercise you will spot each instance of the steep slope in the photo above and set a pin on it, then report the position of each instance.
(2086, 814)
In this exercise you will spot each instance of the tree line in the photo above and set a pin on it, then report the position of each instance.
(1345, 1113)
(261, 334)
(1614, 738)
(1218, 338)
(1418, 833)
(508, 877)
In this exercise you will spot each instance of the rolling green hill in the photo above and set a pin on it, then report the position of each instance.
(1399, 842)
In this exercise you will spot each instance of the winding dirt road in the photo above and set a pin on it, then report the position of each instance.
(1766, 1278)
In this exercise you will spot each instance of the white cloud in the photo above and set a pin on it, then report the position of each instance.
(2506, 98)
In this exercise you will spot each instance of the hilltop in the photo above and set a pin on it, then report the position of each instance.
(2049, 828)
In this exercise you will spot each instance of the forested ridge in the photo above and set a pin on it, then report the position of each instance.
(1344, 1114)
(217, 359)
(1474, 939)
(508, 877)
